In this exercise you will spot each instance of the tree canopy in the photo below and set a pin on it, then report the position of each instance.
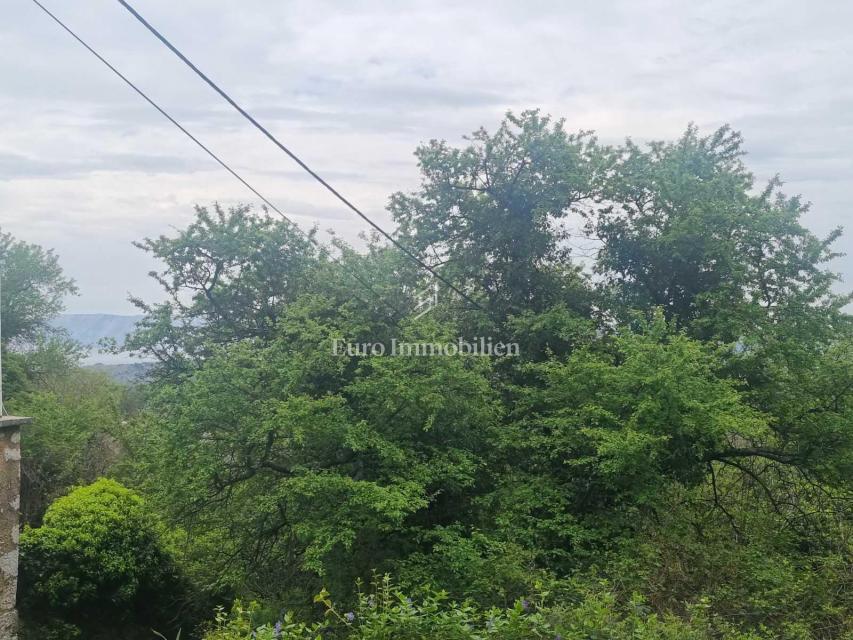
(673, 439)
(34, 288)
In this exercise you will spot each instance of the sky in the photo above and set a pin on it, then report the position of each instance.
(86, 167)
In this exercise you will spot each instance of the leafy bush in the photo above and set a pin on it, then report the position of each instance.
(72, 439)
(98, 555)
(387, 614)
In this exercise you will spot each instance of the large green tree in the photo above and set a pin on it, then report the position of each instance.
(228, 276)
(684, 227)
(495, 215)
(34, 288)
(697, 384)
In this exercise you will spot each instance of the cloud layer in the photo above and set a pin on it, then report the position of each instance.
(86, 167)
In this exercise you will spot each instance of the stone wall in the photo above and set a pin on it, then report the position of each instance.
(10, 502)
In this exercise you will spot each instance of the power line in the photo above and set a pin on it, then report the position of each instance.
(292, 155)
(207, 150)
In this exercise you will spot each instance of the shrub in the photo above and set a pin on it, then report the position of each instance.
(387, 614)
(99, 555)
(72, 439)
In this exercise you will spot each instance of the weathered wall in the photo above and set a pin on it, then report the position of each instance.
(10, 502)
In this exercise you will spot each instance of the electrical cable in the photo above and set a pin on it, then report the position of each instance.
(292, 155)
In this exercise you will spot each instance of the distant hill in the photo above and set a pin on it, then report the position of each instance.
(89, 328)
(123, 373)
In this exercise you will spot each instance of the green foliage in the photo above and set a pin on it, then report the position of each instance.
(242, 270)
(72, 439)
(388, 614)
(33, 289)
(494, 211)
(241, 623)
(99, 552)
(50, 630)
(15, 375)
(472, 565)
(746, 560)
(683, 229)
(319, 480)
(671, 454)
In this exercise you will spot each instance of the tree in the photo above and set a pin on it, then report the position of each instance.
(302, 478)
(697, 387)
(683, 229)
(493, 214)
(72, 439)
(228, 276)
(605, 430)
(34, 288)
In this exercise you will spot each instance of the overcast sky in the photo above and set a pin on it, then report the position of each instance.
(86, 167)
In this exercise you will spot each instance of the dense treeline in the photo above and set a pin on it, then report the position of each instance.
(670, 455)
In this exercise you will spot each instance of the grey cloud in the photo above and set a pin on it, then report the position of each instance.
(354, 87)
(13, 166)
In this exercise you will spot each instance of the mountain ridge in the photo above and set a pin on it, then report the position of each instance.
(90, 328)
